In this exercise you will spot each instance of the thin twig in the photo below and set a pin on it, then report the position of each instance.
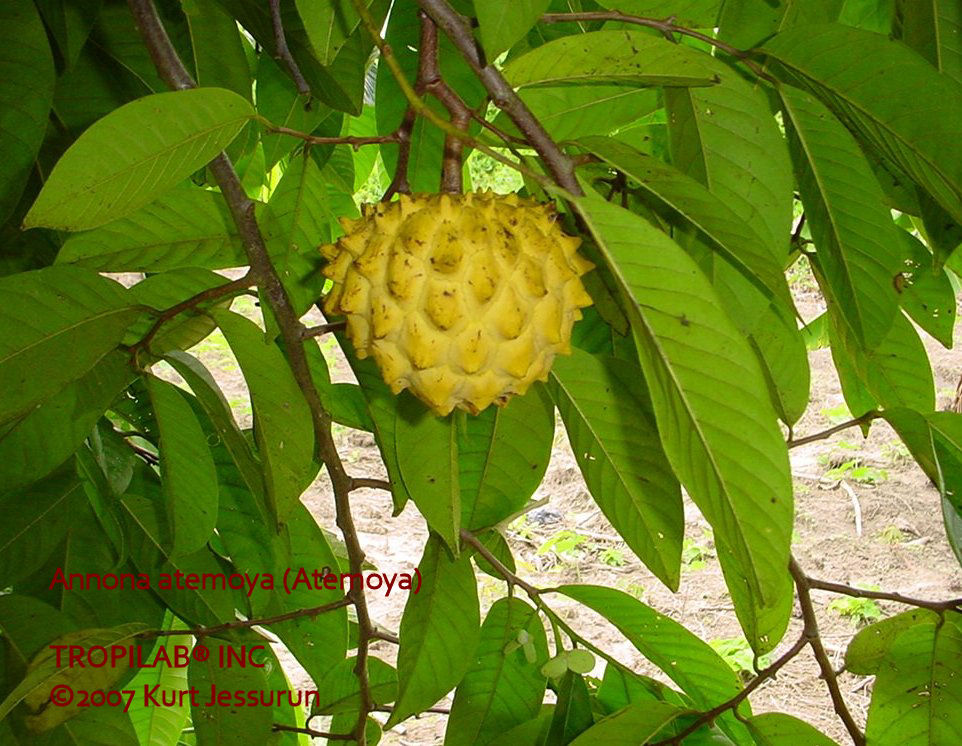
(764, 675)
(667, 27)
(865, 418)
(360, 483)
(173, 72)
(214, 293)
(319, 331)
(280, 727)
(247, 623)
(511, 578)
(352, 140)
(457, 28)
(803, 586)
(952, 604)
(283, 53)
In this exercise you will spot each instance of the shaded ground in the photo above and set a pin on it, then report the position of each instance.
(865, 514)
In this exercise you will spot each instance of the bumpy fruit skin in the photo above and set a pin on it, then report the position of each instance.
(463, 299)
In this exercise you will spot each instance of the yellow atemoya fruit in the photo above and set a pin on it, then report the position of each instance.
(463, 299)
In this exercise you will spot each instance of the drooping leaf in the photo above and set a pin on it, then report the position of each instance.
(935, 441)
(59, 313)
(865, 79)
(135, 154)
(747, 23)
(611, 57)
(779, 729)
(690, 662)
(504, 686)
(927, 296)
(917, 698)
(187, 226)
(328, 25)
(234, 723)
(285, 432)
(572, 714)
(26, 93)
(439, 631)
(219, 59)
(427, 455)
(615, 441)
(503, 22)
(627, 726)
(678, 324)
(857, 243)
(186, 467)
(696, 13)
(502, 456)
(934, 30)
(339, 690)
(868, 650)
(36, 443)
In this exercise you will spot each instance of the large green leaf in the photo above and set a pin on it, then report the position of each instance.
(726, 137)
(713, 418)
(747, 23)
(933, 28)
(503, 22)
(627, 726)
(734, 237)
(427, 456)
(58, 320)
(935, 440)
(439, 631)
(697, 13)
(917, 697)
(285, 431)
(187, 226)
(928, 296)
(504, 686)
(35, 521)
(186, 467)
(26, 93)
(868, 650)
(502, 456)
(614, 57)
(218, 49)
(689, 661)
(866, 79)
(135, 154)
(779, 729)
(613, 436)
(236, 722)
(339, 691)
(858, 245)
(329, 24)
(36, 443)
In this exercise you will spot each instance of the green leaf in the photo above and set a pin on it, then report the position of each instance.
(72, 316)
(235, 724)
(135, 154)
(502, 456)
(503, 22)
(186, 468)
(36, 443)
(340, 692)
(427, 454)
(726, 137)
(710, 424)
(43, 675)
(934, 30)
(502, 689)
(857, 242)
(439, 631)
(747, 23)
(36, 519)
(219, 59)
(26, 93)
(285, 431)
(866, 79)
(613, 436)
(697, 13)
(952, 517)
(572, 714)
(779, 729)
(627, 726)
(690, 662)
(868, 650)
(611, 57)
(737, 240)
(928, 296)
(188, 226)
(329, 24)
(935, 441)
(917, 697)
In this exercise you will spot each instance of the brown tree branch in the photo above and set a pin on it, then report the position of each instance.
(352, 140)
(867, 417)
(952, 604)
(173, 72)
(218, 291)
(280, 727)
(668, 29)
(456, 27)
(811, 633)
(283, 53)
(322, 329)
(359, 483)
(247, 623)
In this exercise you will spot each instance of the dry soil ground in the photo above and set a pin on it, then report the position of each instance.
(865, 514)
